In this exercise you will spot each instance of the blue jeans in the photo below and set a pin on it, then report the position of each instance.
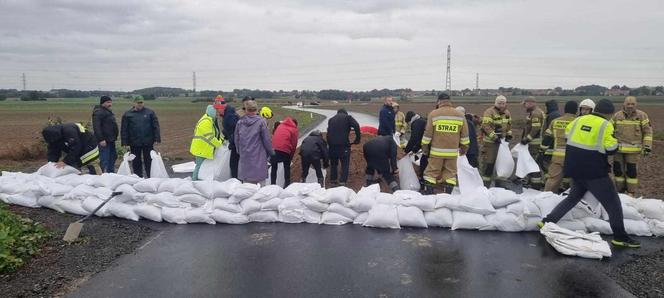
(107, 157)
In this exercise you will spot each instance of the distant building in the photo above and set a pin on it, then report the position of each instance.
(539, 92)
(616, 92)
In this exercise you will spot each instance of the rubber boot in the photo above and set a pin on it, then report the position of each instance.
(321, 182)
(394, 186)
(448, 188)
(428, 189)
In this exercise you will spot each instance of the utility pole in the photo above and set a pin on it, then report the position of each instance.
(23, 81)
(194, 80)
(477, 81)
(448, 76)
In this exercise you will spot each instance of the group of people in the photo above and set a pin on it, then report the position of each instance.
(74, 145)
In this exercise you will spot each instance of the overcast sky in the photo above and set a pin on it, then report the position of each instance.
(317, 44)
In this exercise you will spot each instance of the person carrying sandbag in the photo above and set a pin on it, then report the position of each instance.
(554, 137)
(312, 151)
(207, 137)
(445, 135)
(78, 144)
(496, 124)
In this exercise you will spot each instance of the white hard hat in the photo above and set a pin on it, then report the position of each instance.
(588, 103)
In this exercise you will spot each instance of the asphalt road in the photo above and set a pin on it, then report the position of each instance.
(308, 260)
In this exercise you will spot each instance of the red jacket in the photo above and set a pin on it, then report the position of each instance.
(369, 130)
(285, 137)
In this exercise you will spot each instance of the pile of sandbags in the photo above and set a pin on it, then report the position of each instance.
(183, 201)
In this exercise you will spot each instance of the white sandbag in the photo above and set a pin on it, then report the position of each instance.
(217, 168)
(448, 201)
(504, 161)
(165, 199)
(193, 199)
(128, 194)
(340, 194)
(264, 216)
(526, 207)
(122, 210)
(186, 188)
(198, 215)
(468, 177)
(637, 227)
(656, 227)
(361, 218)
(627, 200)
(224, 204)
(294, 216)
(525, 163)
(225, 189)
(477, 202)
(407, 194)
(383, 216)
(630, 212)
(267, 193)
(3, 198)
(411, 217)
(531, 223)
(387, 199)
(424, 203)
(362, 202)
(407, 177)
(301, 189)
(340, 209)
(441, 217)
(71, 179)
(467, 221)
(271, 205)
(73, 206)
(50, 170)
(232, 218)
(316, 205)
(597, 225)
(369, 191)
(572, 225)
(26, 199)
(124, 168)
(57, 189)
(506, 222)
(91, 203)
(311, 217)
(173, 215)
(502, 197)
(112, 180)
(186, 167)
(244, 191)
(148, 212)
(292, 203)
(547, 201)
(150, 185)
(651, 208)
(169, 185)
(331, 218)
(157, 168)
(206, 187)
(250, 206)
(50, 202)
(81, 192)
(574, 243)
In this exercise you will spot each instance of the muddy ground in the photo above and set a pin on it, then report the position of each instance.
(59, 266)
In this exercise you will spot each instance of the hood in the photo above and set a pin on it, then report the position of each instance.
(250, 120)
(52, 133)
(342, 111)
(211, 111)
(551, 105)
(316, 133)
(288, 121)
(469, 118)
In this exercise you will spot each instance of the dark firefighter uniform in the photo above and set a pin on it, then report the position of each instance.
(495, 125)
(72, 139)
(554, 137)
(532, 136)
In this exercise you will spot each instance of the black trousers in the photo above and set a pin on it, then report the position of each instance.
(472, 160)
(424, 161)
(339, 153)
(234, 162)
(604, 190)
(142, 158)
(306, 163)
(284, 158)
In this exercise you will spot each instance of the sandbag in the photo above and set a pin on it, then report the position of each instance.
(157, 168)
(387, 199)
(331, 218)
(656, 227)
(407, 194)
(50, 202)
(572, 225)
(407, 177)
(364, 200)
(369, 191)
(311, 217)
(264, 216)
(193, 199)
(271, 205)
(506, 222)
(169, 185)
(504, 162)
(630, 212)
(316, 205)
(26, 199)
(467, 221)
(361, 218)
(223, 216)
(72, 206)
(124, 168)
(198, 215)
(301, 189)
(477, 202)
(165, 199)
(501, 197)
(128, 194)
(149, 212)
(150, 185)
(651, 208)
(57, 189)
(383, 216)
(575, 243)
(50, 170)
(441, 217)
(267, 193)
(173, 215)
(224, 204)
(112, 181)
(243, 191)
(340, 209)
(597, 225)
(91, 203)
(186, 188)
(122, 210)
(448, 201)
(206, 187)
(637, 227)
(71, 180)
(525, 163)
(411, 217)
(217, 168)
(424, 203)
(250, 206)
(340, 194)
(225, 189)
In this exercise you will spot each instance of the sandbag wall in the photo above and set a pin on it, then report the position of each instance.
(183, 201)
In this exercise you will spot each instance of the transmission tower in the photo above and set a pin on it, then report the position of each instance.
(448, 76)
(23, 81)
(194, 81)
(477, 81)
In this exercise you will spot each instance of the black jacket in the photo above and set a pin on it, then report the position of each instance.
(381, 152)
(314, 148)
(386, 121)
(417, 128)
(228, 123)
(473, 149)
(104, 125)
(338, 128)
(140, 128)
(552, 112)
(67, 138)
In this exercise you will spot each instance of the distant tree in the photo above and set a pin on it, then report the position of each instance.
(658, 90)
(615, 87)
(590, 90)
(624, 87)
(641, 91)
(149, 96)
(3, 97)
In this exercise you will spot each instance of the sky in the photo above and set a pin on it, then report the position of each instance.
(319, 44)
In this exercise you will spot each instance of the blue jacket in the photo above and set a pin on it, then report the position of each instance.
(228, 123)
(472, 134)
(386, 124)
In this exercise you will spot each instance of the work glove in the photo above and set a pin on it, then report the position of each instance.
(508, 138)
(646, 151)
(398, 134)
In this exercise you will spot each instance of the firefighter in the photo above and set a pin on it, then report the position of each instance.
(586, 107)
(78, 145)
(496, 125)
(554, 137)
(589, 141)
(381, 156)
(400, 125)
(532, 136)
(445, 137)
(634, 134)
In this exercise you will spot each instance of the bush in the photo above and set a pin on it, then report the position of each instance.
(3, 97)
(20, 238)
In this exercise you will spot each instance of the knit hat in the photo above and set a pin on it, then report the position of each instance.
(571, 107)
(342, 111)
(251, 105)
(500, 99)
(138, 98)
(605, 106)
(409, 115)
(443, 96)
(104, 99)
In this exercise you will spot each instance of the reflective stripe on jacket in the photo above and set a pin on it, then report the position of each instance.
(555, 135)
(589, 141)
(206, 138)
(534, 126)
(400, 122)
(632, 131)
(445, 132)
(491, 119)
